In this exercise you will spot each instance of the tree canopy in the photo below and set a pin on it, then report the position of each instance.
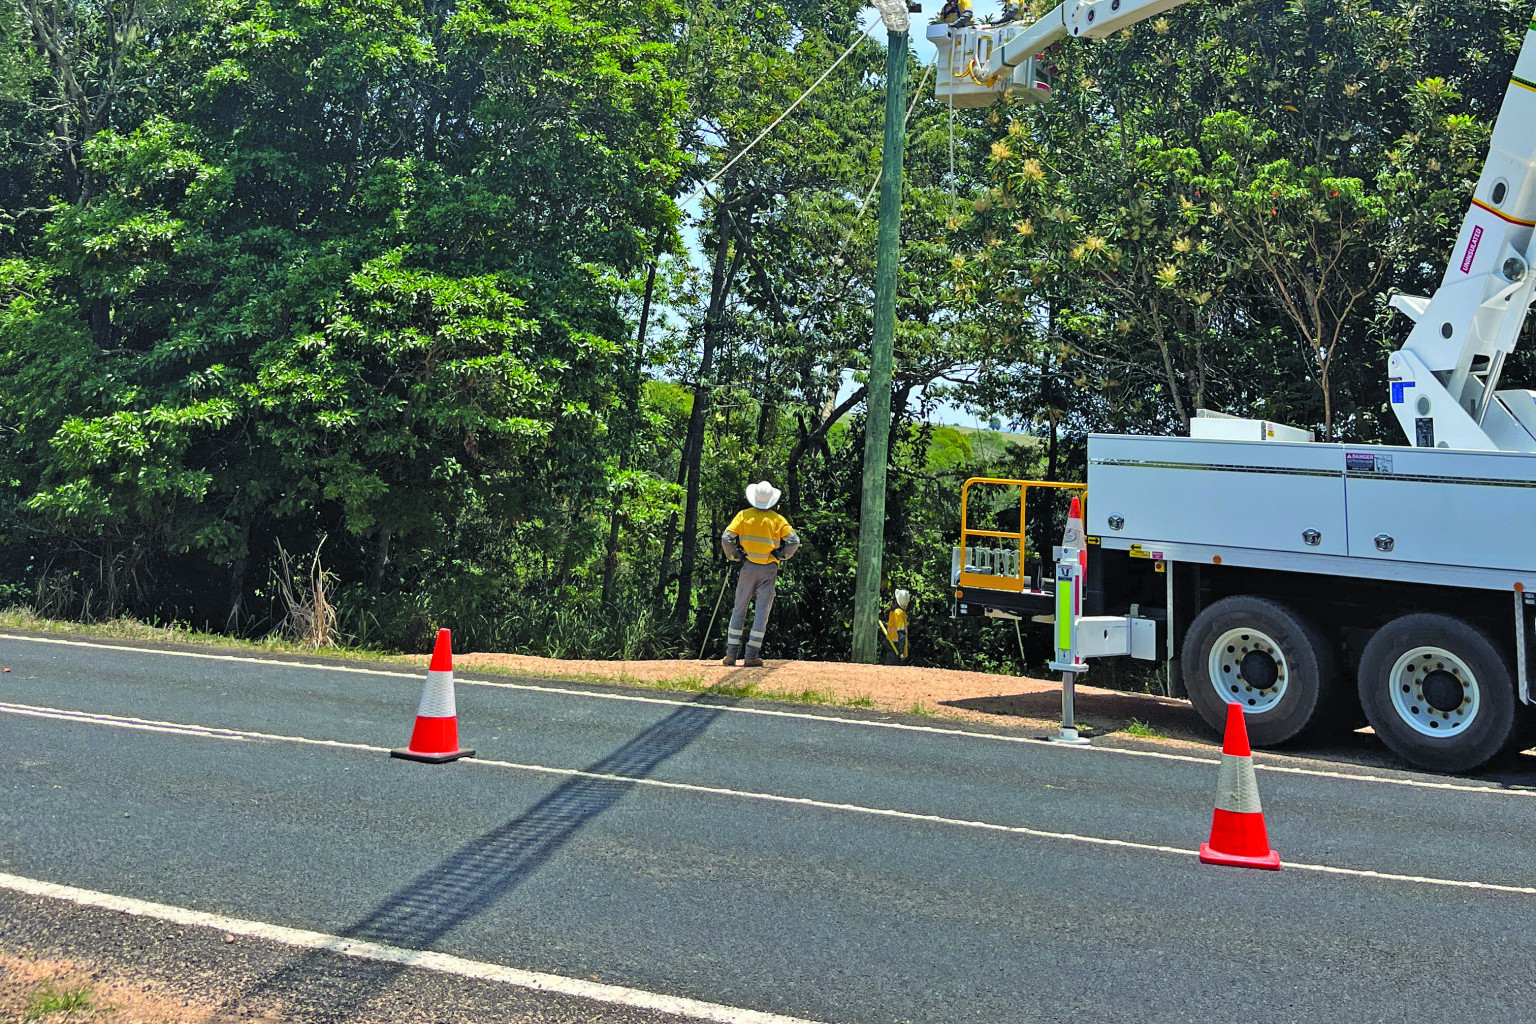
(405, 287)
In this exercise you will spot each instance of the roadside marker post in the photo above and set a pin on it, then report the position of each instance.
(1071, 569)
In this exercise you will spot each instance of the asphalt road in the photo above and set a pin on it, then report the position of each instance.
(675, 864)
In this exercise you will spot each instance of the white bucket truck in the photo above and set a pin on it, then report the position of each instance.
(1319, 585)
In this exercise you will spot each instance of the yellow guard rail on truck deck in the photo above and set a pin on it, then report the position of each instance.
(994, 581)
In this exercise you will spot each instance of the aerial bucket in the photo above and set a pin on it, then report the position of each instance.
(964, 54)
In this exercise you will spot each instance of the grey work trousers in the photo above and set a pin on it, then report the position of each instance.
(754, 581)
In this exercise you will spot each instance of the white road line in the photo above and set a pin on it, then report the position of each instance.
(1524, 890)
(831, 719)
(178, 728)
(121, 722)
(88, 718)
(443, 963)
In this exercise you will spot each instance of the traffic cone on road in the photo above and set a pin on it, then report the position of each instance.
(1238, 838)
(436, 736)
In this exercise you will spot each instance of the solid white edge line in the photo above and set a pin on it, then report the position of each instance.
(88, 718)
(1319, 773)
(442, 963)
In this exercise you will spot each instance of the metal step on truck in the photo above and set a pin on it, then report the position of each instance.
(1318, 585)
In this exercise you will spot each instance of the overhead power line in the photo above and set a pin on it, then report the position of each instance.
(775, 122)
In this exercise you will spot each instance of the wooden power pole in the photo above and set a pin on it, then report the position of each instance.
(877, 424)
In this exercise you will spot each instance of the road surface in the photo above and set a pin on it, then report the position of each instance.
(816, 865)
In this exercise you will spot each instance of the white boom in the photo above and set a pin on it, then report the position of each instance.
(1443, 379)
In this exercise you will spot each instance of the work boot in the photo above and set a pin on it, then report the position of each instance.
(731, 654)
(752, 660)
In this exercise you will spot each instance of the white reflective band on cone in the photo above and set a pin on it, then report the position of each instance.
(1236, 788)
(437, 696)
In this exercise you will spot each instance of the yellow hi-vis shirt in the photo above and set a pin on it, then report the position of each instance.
(760, 530)
(897, 623)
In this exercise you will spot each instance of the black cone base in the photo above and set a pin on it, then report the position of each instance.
(407, 754)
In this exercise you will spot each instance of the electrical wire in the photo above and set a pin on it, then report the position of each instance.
(775, 122)
(864, 205)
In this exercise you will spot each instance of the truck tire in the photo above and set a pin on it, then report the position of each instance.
(1260, 654)
(1439, 692)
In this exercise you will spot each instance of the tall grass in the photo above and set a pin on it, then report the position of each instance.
(551, 627)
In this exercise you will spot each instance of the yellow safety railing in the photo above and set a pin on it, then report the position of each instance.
(997, 581)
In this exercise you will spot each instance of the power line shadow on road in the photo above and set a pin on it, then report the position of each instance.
(477, 875)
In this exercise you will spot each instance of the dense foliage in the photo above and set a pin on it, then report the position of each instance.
(388, 307)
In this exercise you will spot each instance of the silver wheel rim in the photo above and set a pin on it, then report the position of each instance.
(1406, 683)
(1226, 668)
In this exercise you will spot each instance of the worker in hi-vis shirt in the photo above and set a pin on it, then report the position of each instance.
(759, 538)
(957, 13)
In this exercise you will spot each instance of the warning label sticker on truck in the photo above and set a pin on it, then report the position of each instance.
(1367, 462)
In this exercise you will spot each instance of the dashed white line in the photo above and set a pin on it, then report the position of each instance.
(830, 719)
(91, 718)
(443, 963)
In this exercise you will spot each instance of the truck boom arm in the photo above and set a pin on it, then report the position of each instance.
(1444, 377)
(1092, 19)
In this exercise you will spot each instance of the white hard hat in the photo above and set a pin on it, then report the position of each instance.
(763, 494)
(902, 597)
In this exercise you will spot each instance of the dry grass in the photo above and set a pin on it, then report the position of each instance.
(126, 628)
(44, 991)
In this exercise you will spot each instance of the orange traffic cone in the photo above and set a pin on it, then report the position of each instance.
(436, 736)
(1238, 838)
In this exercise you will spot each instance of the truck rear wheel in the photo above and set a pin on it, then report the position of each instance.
(1260, 654)
(1438, 692)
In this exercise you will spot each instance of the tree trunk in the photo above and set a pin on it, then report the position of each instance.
(101, 323)
(237, 577)
(1327, 404)
(630, 426)
(236, 594)
(693, 448)
(669, 540)
(809, 440)
(380, 560)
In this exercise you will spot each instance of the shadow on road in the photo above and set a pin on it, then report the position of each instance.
(478, 874)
